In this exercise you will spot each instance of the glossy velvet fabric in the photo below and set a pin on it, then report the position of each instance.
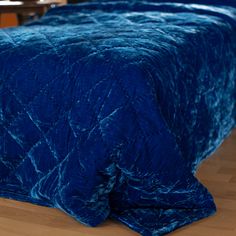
(106, 109)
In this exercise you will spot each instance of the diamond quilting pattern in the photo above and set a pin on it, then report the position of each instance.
(106, 109)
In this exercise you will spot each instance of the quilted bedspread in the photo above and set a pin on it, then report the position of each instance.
(108, 108)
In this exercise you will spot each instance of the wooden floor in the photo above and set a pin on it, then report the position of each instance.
(217, 173)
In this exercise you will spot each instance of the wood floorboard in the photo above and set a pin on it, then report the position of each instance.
(217, 173)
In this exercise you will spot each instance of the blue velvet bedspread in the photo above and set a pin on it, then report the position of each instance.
(107, 109)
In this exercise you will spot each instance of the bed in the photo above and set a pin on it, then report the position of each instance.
(107, 109)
